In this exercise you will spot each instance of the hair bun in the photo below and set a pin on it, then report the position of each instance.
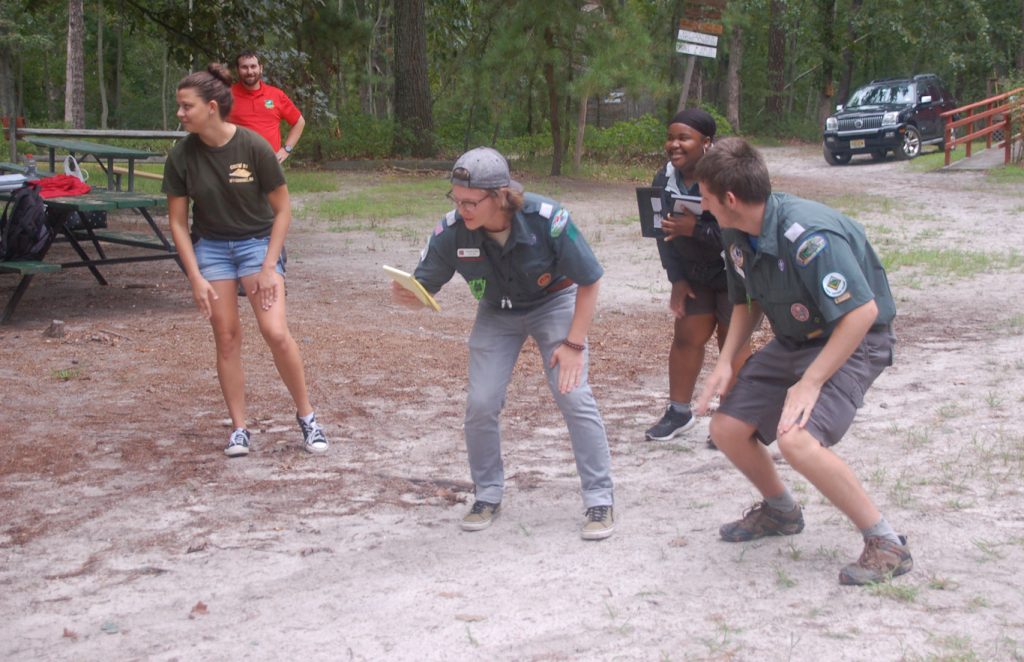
(220, 72)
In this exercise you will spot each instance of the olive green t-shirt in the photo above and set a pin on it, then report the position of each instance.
(228, 185)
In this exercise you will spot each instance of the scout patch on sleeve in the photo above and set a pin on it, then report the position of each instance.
(810, 248)
(799, 312)
(834, 284)
(559, 222)
(477, 286)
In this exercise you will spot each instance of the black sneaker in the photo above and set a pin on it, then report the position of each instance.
(671, 424)
(313, 439)
(238, 443)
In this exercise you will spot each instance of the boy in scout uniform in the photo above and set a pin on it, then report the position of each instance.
(533, 275)
(812, 272)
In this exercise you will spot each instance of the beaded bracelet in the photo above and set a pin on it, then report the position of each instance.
(572, 345)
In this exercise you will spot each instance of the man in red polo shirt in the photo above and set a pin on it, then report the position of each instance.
(261, 107)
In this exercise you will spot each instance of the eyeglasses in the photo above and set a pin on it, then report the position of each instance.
(468, 205)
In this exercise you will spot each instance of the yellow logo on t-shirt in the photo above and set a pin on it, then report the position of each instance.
(239, 173)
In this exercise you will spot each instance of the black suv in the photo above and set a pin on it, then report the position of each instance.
(898, 114)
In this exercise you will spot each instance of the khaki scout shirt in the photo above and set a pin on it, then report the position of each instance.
(812, 266)
(544, 253)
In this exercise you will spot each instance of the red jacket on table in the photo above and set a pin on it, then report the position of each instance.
(262, 111)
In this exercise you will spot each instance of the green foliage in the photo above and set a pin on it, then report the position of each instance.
(354, 135)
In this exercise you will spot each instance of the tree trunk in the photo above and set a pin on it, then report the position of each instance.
(732, 105)
(845, 82)
(556, 123)
(1020, 44)
(163, 87)
(119, 68)
(581, 127)
(99, 64)
(412, 89)
(8, 96)
(776, 59)
(74, 87)
(828, 38)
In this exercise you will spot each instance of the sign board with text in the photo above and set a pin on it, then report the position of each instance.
(687, 48)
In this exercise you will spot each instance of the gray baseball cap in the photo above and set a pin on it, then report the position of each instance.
(483, 167)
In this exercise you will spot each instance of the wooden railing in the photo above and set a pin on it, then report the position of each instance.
(996, 113)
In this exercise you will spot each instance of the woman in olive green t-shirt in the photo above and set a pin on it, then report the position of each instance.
(241, 213)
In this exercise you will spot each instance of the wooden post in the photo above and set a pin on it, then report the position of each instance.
(691, 60)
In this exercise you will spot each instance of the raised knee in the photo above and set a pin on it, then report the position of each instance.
(796, 443)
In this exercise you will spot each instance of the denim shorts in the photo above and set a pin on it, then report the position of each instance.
(230, 260)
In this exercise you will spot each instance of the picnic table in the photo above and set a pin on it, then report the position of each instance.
(152, 245)
(103, 154)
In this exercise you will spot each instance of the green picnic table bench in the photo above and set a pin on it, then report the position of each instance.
(155, 244)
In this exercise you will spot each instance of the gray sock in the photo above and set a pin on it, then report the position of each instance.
(680, 407)
(881, 529)
(782, 502)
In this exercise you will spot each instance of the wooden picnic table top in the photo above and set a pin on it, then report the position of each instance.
(89, 147)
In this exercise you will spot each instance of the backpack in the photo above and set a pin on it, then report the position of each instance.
(24, 232)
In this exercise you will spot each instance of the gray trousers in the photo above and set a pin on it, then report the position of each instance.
(494, 346)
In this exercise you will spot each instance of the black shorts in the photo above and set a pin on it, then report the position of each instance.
(760, 391)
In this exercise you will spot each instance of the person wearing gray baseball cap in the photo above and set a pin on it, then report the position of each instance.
(534, 275)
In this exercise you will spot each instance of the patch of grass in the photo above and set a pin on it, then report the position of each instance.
(311, 181)
(1011, 174)
(947, 262)
(858, 205)
(936, 160)
(375, 208)
(66, 374)
(937, 583)
(783, 580)
(897, 592)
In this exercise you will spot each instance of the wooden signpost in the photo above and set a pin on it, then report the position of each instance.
(699, 30)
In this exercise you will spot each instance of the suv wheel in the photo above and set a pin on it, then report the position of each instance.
(911, 146)
(836, 158)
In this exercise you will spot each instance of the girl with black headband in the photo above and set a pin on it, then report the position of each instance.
(691, 253)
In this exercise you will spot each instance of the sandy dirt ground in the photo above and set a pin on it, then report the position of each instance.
(125, 534)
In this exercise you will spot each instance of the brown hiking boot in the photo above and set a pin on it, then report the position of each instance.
(880, 561)
(762, 520)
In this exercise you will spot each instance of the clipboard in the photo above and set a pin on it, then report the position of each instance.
(690, 203)
(408, 282)
(648, 202)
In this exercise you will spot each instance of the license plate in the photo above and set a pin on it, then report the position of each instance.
(856, 144)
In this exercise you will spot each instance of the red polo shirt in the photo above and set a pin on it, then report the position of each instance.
(262, 111)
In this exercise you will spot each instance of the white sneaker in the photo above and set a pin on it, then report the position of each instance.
(313, 439)
(238, 443)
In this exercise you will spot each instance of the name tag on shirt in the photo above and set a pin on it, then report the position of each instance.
(468, 253)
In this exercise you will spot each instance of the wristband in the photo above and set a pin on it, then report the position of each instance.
(572, 345)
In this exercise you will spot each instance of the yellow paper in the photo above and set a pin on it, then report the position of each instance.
(408, 282)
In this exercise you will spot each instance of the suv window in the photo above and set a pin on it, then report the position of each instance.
(882, 95)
